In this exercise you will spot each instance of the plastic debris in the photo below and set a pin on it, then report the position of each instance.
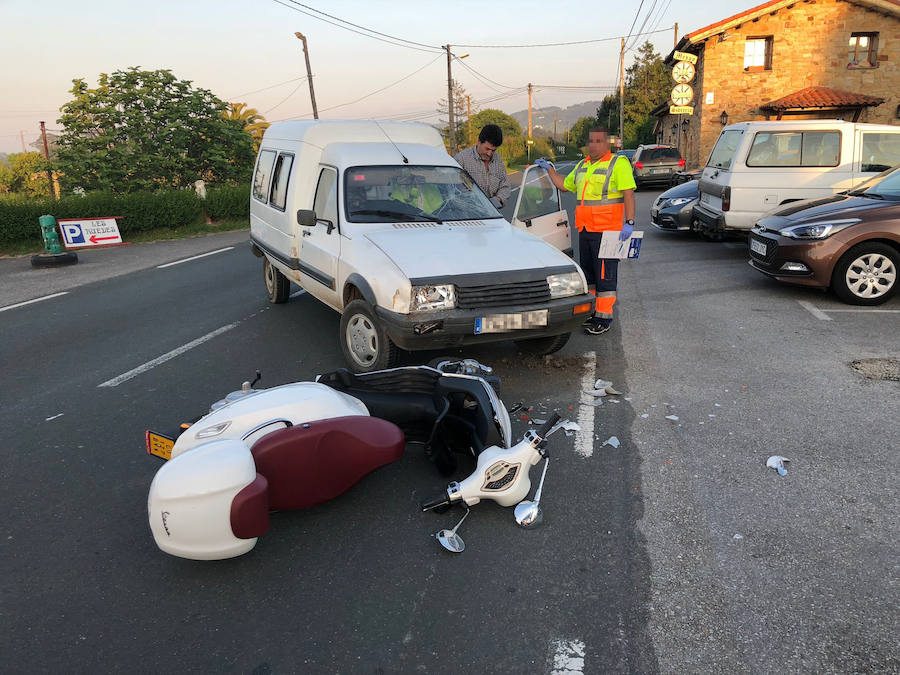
(571, 426)
(645, 415)
(603, 388)
(613, 441)
(738, 535)
(596, 402)
(537, 420)
(674, 418)
(777, 462)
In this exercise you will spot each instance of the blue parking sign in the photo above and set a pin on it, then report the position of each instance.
(72, 233)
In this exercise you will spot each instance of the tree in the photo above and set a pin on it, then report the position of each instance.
(143, 130)
(513, 138)
(647, 84)
(578, 134)
(460, 109)
(608, 113)
(252, 122)
(26, 175)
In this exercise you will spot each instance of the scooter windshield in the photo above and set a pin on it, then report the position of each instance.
(387, 194)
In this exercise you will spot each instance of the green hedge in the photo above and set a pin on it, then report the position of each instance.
(140, 211)
(228, 202)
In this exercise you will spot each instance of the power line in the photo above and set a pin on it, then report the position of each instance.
(557, 44)
(299, 84)
(644, 24)
(369, 34)
(483, 78)
(256, 91)
(637, 14)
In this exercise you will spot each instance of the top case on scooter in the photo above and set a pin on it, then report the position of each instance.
(316, 461)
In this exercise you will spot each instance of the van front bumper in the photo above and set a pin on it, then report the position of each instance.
(456, 328)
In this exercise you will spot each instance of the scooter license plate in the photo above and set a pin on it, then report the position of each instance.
(159, 445)
(500, 323)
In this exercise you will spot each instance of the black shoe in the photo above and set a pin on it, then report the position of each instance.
(596, 327)
(588, 321)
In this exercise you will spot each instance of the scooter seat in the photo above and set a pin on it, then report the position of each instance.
(316, 461)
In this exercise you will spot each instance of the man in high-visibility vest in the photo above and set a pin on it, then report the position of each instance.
(603, 184)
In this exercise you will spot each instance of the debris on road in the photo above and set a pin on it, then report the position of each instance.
(777, 462)
(613, 441)
(674, 418)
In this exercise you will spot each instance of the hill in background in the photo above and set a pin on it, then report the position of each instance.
(542, 118)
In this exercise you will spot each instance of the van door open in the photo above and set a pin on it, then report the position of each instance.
(538, 210)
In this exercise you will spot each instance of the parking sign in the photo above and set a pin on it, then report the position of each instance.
(78, 233)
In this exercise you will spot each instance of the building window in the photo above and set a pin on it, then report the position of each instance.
(758, 53)
(863, 50)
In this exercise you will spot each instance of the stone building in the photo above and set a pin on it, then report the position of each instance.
(798, 58)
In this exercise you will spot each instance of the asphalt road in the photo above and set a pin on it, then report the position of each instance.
(678, 551)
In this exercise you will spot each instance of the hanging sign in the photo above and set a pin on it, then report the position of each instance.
(684, 56)
(681, 110)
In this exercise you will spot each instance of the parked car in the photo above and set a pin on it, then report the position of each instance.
(673, 209)
(849, 241)
(755, 167)
(378, 222)
(628, 154)
(655, 164)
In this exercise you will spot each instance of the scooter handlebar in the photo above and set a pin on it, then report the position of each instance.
(547, 426)
(442, 499)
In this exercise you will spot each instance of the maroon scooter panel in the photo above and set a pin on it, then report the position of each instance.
(316, 461)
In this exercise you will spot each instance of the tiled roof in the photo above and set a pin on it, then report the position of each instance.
(822, 97)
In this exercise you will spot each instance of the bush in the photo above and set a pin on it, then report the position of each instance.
(139, 211)
(228, 202)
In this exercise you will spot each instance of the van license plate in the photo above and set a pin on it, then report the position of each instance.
(500, 323)
(757, 247)
(705, 197)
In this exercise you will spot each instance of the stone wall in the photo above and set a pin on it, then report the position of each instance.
(809, 49)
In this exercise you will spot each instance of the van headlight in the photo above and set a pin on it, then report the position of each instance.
(564, 285)
(430, 298)
(819, 230)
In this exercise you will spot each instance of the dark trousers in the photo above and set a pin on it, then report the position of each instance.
(601, 273)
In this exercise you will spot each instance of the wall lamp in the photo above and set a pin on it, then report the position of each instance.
(723, 118)
(674, 129)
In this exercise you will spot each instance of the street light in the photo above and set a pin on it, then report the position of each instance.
(723, 118)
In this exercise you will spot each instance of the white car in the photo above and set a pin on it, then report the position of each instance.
(377, 221)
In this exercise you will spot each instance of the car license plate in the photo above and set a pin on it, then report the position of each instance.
(757, 247)
(659, 171)
(500, 323)
(159, 445)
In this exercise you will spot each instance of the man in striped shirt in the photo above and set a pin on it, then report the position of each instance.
(485, 166)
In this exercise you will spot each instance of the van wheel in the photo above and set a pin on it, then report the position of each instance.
(544, 345)
(277, 285)
(365, 343)
(866, 274)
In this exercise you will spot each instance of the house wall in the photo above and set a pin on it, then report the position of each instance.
(809, 49)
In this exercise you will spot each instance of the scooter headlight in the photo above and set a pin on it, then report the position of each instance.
(430, 298)
(565, 285)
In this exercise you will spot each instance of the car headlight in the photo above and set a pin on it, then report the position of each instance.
(678, 201)
(429, 298)
(818, 230)
(564, 285)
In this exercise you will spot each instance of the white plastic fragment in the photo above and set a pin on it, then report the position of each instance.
(674, 418)
(537, 420)
(571, 426)
(645, 415)
(777, 462)
(613, 441)
(595, 402)
(738, 535)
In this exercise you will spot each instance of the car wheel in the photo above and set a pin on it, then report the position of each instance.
(543, 345)
(365, 343)
(866, 274)
(277, 285)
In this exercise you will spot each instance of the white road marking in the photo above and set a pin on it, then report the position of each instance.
(28, 302)
(881, 311)
(202, 255)
(815, 311)
(54, 417)
(568, 657)
(584, 437)
(124, 377)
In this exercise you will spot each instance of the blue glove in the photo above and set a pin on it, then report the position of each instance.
(543, 163)
(627, 229)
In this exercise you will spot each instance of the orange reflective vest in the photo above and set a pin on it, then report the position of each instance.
(599, 209)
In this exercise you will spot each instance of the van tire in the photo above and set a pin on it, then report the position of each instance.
(278, 287)
(881, 257)
(543, 346)
(364, 342)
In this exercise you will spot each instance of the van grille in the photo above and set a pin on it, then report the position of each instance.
(416, 225)
(500, 295)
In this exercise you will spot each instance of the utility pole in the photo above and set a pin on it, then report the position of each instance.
(530, 141)
(47, 157)
(555, 120)
(622, 94)
(468, 120)
(312, 92)
(676, 34)
(451, 127)
(22, 137)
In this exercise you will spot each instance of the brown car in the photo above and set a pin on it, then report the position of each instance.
(848, 241)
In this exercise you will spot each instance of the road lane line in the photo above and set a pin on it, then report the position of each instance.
(124, 377)
(28, 302)
(202, 255)
(867, 310)
(568, 657)
(584, 437)
(815, 311)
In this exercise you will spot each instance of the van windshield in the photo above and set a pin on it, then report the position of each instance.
(723, 154)
(388, 194)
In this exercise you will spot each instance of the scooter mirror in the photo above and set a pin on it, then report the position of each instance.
(451, 541)
(529, 514)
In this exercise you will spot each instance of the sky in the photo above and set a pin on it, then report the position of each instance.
(246, 51)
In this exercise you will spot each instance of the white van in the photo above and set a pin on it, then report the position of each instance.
(378, 222)
(757, 166)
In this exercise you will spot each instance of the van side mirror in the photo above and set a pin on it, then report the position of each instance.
(306, 218)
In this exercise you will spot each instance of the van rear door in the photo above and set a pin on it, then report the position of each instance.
(538, 210)
(715, 176)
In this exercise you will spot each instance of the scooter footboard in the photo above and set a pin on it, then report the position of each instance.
(316, 461)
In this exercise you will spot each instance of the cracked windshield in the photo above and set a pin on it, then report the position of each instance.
(387, 194)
